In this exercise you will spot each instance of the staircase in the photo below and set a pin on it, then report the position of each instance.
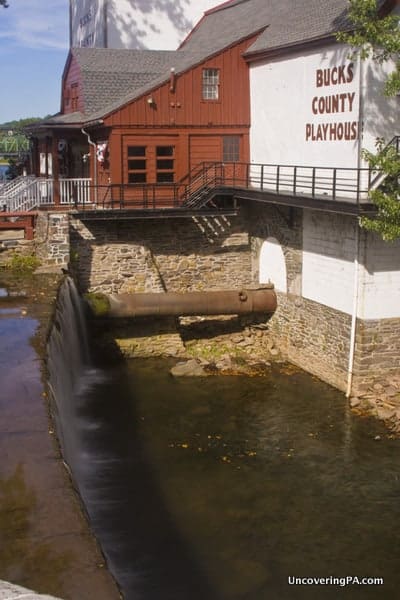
(14, 187)
(202, 181)
(24, 193)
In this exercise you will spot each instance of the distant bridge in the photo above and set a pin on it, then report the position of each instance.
(13, 145)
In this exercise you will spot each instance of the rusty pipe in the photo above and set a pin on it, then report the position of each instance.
(242, 302)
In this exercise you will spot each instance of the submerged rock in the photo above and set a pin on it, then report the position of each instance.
(189, 368)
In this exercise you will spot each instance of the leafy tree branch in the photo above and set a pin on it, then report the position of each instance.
(386, 197)
(377, 36)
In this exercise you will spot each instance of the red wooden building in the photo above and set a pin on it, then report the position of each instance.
(136, 126)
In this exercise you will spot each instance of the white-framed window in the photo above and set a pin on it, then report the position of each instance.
(210, 84)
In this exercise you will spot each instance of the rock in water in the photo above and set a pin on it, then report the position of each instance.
(189, 368)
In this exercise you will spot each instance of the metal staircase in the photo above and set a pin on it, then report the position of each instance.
(202, 185)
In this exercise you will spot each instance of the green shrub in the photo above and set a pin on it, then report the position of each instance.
(20, 263)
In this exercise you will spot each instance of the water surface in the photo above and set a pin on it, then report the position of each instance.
(224, 487)
(45, 543)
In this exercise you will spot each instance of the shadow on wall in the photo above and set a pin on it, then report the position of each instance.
(174, 255)
(380, 114)
(137, 23)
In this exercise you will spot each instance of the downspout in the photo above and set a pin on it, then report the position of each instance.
(357, 246)
(354, 315)
(95, 163)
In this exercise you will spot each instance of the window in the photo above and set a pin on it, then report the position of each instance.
(210, 87)
(165, 162)
(137, 164)
(231, 148)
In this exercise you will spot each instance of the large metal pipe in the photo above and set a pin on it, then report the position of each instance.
(242, 302)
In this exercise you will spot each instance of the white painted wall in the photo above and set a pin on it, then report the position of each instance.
(328, 259)
(87, 24)
(284, 92)
(329, 249)
(379, 294)
(153, 24)
(380, 115)
(272, 265)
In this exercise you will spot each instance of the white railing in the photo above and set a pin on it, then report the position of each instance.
(13, 186)
(32, 193)
(75, 190)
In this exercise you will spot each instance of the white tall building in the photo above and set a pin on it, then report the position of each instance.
(158, 25)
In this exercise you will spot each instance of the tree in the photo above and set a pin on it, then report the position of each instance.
(386, 198)
(4, 3)
(377, 36)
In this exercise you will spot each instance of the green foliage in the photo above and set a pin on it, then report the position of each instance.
(21, 123)
(19, 263)
(386, 198)
(378, 37)
(375, 36)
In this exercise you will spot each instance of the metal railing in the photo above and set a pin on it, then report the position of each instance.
(322, 183)
(199, 187)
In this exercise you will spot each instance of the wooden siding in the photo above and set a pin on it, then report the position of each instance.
(72, 78)
(185, 107)
(192, 146)
(204, 148)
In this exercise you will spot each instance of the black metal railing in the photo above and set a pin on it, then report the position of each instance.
(200, 186)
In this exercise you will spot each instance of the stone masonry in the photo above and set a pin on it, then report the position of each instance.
(192, 254)
(52, 239)
(158, 255)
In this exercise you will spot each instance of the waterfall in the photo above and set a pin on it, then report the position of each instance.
(70, 372)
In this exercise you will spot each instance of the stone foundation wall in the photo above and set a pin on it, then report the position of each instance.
(223, 253)
(161, 255)
(310, 335)
(377, 353)
(313, 337)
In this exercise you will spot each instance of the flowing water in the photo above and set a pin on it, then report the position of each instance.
(225, 488)
(45, 543)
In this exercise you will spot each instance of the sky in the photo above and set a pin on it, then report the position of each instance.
(34, 39)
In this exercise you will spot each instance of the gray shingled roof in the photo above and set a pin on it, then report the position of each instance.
(111, 78)
(285, 23)
(222, 27)
(109, 75)
(296, 21)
